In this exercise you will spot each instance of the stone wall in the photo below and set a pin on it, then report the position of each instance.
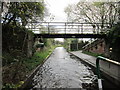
(98, 46)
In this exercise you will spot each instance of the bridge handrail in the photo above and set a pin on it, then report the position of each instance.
(66, 27)
(108, 60)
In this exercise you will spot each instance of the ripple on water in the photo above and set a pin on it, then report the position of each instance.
(62, 70)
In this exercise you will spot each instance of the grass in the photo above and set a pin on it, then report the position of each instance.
(24, 68)
(92, 54)
(37, 59)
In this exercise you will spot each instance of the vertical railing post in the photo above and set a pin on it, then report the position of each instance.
(65, 28)
(98, 68)
(48, 28)
(78, 29)
(94, 32)
(82, 28)
(98, 74)
(98, 71)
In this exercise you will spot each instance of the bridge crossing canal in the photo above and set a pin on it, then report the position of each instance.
(68, 29)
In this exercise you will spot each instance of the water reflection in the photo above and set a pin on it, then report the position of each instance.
(63, 70)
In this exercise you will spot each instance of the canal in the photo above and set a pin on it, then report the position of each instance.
(63, 70)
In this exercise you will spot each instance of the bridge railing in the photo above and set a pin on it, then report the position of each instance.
(67, 28)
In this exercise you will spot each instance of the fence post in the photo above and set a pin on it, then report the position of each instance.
(48, 28)
(98, 71)
(78, 29)
(82, 29)
(65, 28)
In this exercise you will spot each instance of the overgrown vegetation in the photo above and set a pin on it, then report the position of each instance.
(17, 72)
(14, 43)
(93, 13)
(113, 41)
(74, 44)
(38, 58)
(100, 12)
(15, 36)
(17, 41)
(112, 46)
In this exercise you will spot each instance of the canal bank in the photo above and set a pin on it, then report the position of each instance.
(27, 82)
(110, 70)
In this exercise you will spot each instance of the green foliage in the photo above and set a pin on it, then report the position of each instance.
(114, 34)
(74, 41)
(26, 67)
(23, 11)
(92, 54)
(13, 86)
(93, 12)
(12, 57)
(15, 42)
(66, 43)
(37, 59)
(113, 41)
(98, 4)
(48, 42)
(71, 44)
(13, 39)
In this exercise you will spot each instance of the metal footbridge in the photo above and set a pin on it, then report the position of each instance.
(68, 29)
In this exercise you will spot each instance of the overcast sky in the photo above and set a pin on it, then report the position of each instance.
(56, 8)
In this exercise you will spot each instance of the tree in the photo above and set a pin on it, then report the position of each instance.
(69, 11)
(15, 20)
(113, 41)
(93, 12)
(17, 40)
(23, 12)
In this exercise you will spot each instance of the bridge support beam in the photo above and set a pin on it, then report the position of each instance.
(70, 35)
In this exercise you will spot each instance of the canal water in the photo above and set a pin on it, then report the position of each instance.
(62, 70)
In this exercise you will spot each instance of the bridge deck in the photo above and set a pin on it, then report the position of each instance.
(70, 35)
(68, 29)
